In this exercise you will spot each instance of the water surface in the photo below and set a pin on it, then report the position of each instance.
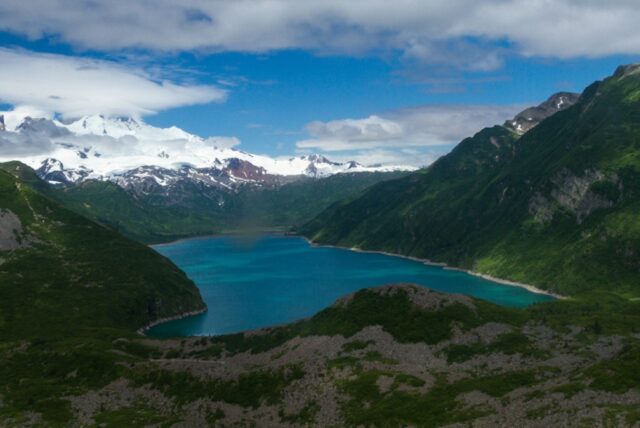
(256, 282)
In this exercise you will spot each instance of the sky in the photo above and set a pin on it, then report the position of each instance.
(376, 81)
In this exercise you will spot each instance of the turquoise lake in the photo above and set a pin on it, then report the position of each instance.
(261, 281)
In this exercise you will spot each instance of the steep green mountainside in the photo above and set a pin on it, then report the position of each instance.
(557, 207)
(60, 272)
(200, 211)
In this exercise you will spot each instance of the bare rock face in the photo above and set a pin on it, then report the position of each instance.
(574, 193)
(529, 118)
(243, 170)
(626, 70)
(11, 231)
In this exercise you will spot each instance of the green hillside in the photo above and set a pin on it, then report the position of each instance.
(557, 207)
(109, 204)
(60, 272)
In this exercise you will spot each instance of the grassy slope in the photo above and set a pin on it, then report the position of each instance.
(471, 208)
(78, 274)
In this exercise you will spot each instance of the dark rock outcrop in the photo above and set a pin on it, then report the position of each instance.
(529, 118)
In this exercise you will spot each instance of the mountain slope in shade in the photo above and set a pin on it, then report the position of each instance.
(61, 273)
(556, 207)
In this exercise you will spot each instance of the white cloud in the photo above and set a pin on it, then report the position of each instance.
(74, 87)
(14, 117)
(414, 136)
(404, 157)
(14, 145)
(344, 134)
(434, 30)
(222, 142)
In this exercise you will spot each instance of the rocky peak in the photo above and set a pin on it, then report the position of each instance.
(315, 158)
(41, 125)
(422, 297)
(626, 70)
(54, 172)
(532, 116)
(244, 170)
(3, 127)
(311, 170)
(26, 123)
(49, 165)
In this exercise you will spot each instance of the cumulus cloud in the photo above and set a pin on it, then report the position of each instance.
(344, 134)
(556, 28)
(413, 136)
(73, 87)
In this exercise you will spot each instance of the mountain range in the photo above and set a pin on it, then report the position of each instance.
(156, 184)
(134, 154)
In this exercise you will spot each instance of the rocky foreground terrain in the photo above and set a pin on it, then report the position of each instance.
(428, 359)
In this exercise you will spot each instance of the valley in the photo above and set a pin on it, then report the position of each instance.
(548, 199)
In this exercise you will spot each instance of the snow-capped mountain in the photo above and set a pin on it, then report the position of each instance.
(532, 116)
(134, 154)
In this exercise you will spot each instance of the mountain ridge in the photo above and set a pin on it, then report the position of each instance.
(61, 272)
(93, 147)
(545, 208)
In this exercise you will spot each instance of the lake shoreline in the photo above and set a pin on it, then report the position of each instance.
(528, 287)
(142, 330)
(445, 266)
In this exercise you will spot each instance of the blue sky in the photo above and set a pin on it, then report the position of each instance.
(286, 90)
(357, 86)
